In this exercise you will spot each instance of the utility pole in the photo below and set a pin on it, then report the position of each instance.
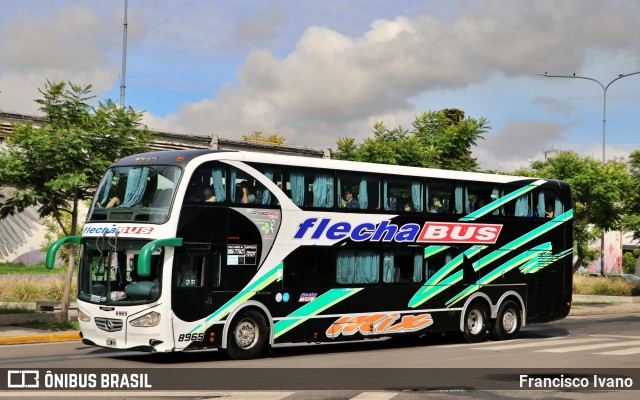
(124, 56)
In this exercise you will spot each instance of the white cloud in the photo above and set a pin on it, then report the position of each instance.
(334, 85)
(70, 44)
(517, 143)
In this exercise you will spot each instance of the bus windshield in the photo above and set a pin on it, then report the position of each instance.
(135, 194)
(107, 272)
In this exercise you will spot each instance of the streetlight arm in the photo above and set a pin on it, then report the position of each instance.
(620, 77)
(579, 77)
(604, 130)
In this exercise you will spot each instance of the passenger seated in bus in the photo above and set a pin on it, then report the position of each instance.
(114, 201)
(349, 201)
(208, 194)
(549, 212)
(436, 206)
(408, 207)
(247, 196)
(186, 277)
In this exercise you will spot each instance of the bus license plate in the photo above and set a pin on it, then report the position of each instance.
(111, 342)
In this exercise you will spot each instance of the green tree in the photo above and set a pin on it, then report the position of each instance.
(599, 193)
(258, 136)
(441, 139)
(629, 261)
(453, 135)
(631, 221)
(55, 166)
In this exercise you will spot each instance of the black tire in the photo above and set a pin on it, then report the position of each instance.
(508, 322)
(248, 335)
(476, 323)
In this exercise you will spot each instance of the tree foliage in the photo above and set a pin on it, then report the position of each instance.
(631, 221)
(258, 136)
(599, 192)
(55, 166)
(438, 139)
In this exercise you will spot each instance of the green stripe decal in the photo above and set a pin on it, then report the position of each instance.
(431, 250)
(498, 202)
(522, 240)
(312, 308)
(425, 294)
(524, 257)
(248, 292)
(429, 289)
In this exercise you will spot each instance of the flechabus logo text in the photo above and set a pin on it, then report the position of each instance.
(110, 230)
(438, 232)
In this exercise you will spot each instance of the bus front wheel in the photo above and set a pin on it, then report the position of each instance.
(248, 335)
(476, 323)
(507, 323)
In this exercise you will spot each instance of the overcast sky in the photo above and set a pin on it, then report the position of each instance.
(314, 71)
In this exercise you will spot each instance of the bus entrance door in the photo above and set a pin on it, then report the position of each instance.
(189, 284)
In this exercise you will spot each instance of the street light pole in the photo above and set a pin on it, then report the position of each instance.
(604, 130)
(124, 55)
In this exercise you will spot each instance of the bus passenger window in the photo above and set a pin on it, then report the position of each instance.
(310, 188)
(187, 271)
(265, 197)
(442, 197)
(208, 184)
(401, 194)
(245, 189)
(357, 267)
(402, 266)
(365, 192)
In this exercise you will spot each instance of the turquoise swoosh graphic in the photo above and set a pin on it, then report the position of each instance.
(430, 288)
(498, 202)
(248, 292)
(312, 308)
(425, 294)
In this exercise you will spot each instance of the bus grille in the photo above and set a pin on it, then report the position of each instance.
(109, 324)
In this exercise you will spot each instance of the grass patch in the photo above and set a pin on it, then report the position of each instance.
(596, 286)
(52, 325)
(19, 268)
(31, 288)
(17, 309)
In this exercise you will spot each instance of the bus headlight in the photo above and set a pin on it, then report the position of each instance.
(147, 320)
(82, 316)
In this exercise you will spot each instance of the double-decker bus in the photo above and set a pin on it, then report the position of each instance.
(234, 250)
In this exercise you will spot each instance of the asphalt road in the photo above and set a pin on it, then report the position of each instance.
(434, 364)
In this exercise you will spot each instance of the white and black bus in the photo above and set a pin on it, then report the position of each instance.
(202, 249)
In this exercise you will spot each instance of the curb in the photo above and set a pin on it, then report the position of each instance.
(41, 338)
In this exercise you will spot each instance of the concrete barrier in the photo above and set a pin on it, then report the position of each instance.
(581, 298)
(18, 319)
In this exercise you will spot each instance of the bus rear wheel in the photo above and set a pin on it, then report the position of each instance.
(248, 335)
(508, 322)
(476, 323)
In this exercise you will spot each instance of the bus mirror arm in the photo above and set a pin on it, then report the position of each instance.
(144, 259)
(53, 249)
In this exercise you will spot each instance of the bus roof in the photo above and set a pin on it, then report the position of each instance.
(183, 157)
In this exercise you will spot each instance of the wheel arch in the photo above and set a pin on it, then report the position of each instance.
(248, 304)
(510, 295)
(481, 297)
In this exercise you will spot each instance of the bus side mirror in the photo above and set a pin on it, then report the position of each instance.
(53, 249)
(144, 259)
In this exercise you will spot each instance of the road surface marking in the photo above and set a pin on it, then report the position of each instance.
(590, 347)
(374, 396)
(542, 343)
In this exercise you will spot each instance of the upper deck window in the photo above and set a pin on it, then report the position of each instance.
(141, 193)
